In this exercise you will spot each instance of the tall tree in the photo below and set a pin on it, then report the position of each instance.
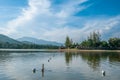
(93, 40)
(68, 42)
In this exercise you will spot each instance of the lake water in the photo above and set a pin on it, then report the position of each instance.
(59, 66)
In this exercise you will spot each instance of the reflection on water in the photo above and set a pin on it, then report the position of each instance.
(93, 59)
(59, 66)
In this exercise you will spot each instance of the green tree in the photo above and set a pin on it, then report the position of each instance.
(68, 42)
(114, 42)
(103, 44)
(95, 39)
(92, 41)
(85, 43)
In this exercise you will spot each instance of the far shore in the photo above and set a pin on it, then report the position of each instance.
(81, 50)
(57, 50)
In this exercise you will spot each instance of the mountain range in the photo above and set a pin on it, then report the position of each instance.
(4, 39)
(27, 40)
(38, 41)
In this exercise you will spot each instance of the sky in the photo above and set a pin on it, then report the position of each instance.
(53, 20)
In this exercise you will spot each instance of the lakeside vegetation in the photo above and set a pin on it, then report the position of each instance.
(94, 41)
(7, 45)
(10, 43)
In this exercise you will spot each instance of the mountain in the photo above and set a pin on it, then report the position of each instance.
(27, 40)
(9, 43)
(4, 39)
(38, 41)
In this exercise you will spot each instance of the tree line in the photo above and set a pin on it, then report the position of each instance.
(94, 41)
(8, 45)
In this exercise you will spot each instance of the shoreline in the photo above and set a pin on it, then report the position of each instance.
(56, 50)
(81, 50)
(29, 50)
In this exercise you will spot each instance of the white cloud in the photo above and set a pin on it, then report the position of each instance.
(27, 15)
(81, 33)
(42, 20)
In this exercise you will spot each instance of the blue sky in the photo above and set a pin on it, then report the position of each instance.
(55, 19)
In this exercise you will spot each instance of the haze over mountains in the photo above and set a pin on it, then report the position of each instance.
(38, 41)
(4, 39)
(27, 40)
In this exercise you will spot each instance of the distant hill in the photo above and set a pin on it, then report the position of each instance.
(27, 40)
(38, 41)
(26, 43)
(4, 39)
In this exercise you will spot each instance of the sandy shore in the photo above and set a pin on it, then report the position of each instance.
(78, 50)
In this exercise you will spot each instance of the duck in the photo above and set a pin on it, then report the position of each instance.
(103, 72)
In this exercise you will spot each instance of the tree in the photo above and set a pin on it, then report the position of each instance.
(68, 42)
(85, 43)
(114, 42)
(93, 40)
(103, 44)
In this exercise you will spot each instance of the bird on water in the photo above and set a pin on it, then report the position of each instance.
(103, 73)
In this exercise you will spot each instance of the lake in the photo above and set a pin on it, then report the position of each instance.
(59, 65)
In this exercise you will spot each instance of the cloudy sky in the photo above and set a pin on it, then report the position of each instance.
(53, 20)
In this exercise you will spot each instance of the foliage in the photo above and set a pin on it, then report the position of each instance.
(94, 42)
(103, 44)
(68, 42)
(26, 46)
(114, 42)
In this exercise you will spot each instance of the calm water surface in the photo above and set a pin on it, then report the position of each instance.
(61, 66)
